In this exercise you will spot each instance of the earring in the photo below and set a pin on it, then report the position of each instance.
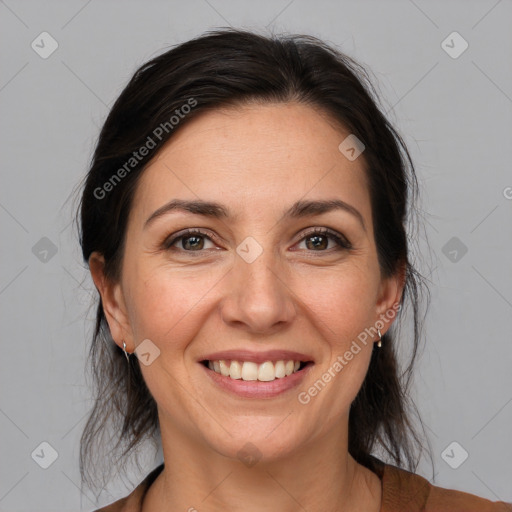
(126, 353)
(379, 343)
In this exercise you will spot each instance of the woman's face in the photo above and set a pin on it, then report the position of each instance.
(256, 279)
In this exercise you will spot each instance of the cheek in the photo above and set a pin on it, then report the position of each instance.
(164, 304)
(341, 304)
(337, 382)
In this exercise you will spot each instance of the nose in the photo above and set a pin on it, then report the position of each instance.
(257, 296)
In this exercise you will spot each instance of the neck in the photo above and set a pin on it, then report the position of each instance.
(320, 476)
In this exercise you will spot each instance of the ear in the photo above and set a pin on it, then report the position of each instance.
(390, 294)
(113, 303)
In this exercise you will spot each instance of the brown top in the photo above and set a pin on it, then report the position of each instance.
(402, 491)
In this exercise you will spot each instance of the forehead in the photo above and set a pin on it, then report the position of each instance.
(253, 158)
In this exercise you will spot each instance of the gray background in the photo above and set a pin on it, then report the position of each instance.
(455, 115)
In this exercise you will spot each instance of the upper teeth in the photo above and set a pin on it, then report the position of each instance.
(248, 370)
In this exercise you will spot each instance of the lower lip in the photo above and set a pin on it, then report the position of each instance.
(256, 388)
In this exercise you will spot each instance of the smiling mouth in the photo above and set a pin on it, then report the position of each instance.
(250, 371)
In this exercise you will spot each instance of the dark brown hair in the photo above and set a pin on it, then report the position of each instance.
(234, 67)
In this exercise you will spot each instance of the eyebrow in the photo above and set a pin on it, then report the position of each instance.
(215, 210)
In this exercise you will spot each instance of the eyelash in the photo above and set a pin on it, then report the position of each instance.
(342, 242)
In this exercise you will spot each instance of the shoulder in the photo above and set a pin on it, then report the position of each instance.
(133, 502)
(449, 500)
(405, 491)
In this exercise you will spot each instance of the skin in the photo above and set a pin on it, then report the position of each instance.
(257, 161)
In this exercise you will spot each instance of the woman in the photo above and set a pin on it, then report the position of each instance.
(244, 223)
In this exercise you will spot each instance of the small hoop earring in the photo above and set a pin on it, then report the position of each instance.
(379, 343)
(126, 353)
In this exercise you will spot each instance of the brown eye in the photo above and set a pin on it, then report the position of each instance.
(318, 240)
(189, 241)
(192, 242)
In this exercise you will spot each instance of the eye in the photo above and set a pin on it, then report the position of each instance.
(191, 240)
(318, 239)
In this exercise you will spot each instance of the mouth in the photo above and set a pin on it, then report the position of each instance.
(250, 371)
(247, 379)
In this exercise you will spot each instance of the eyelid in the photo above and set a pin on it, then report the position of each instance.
(173, 238)
(341, 240)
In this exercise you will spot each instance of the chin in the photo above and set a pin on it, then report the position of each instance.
(256, 445)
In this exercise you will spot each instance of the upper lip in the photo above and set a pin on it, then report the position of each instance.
(257, 357)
